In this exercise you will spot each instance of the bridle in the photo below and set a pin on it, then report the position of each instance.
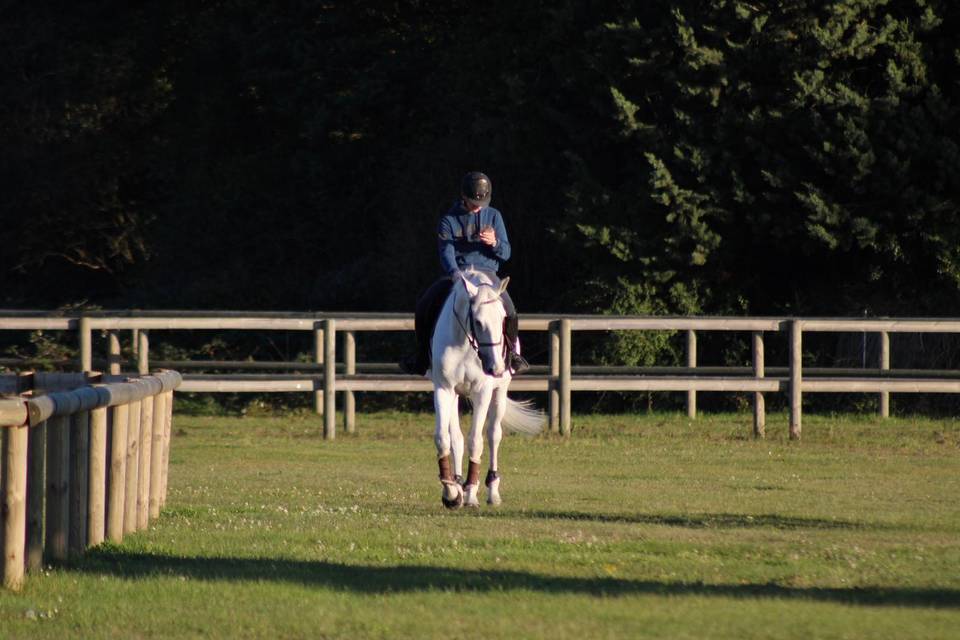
(471, 333)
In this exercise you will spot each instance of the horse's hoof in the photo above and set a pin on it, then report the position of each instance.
(452, 496)
(470, 498)
(454, 504)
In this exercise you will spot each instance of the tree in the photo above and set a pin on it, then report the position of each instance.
(82, 94)
(754, 150)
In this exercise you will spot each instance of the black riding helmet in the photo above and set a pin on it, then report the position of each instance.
(476, 189)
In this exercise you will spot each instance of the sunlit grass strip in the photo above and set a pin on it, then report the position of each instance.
(638, 526)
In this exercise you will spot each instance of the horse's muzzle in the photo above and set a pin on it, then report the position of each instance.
(493, 373)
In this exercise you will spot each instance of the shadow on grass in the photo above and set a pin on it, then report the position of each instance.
(402, 579)
(700, 520)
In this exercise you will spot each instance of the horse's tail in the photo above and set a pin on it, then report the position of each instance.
(522, 417)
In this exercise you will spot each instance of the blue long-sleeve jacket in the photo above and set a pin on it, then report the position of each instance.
(458, 239)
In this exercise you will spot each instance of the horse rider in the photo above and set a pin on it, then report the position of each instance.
(470, 234)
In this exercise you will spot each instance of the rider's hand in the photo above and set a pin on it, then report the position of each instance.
(488, 236)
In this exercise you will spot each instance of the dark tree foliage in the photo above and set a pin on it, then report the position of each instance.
(82, 91)
(782, 157)
(649, 157)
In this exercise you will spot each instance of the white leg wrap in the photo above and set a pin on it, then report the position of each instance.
(470, 495)
(493, 492)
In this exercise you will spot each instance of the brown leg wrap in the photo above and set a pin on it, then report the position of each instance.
(473, 473)
(491, 476)
(446, 473)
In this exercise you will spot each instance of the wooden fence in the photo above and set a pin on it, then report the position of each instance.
(558, 378)
(84, 459)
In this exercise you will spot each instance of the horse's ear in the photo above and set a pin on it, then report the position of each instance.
(470, 287)
(503, 284)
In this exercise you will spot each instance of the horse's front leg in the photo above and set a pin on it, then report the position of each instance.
(444, 404)
(481, 404)
(494, 435)
(456, 439)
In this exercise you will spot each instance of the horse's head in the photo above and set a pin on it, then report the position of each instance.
(485, 318)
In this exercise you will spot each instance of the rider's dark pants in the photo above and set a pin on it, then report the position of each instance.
(428, 310)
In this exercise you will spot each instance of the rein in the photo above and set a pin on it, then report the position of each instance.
(471, 333)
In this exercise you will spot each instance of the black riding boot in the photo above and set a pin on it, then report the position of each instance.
(428, 309)
(516, 362)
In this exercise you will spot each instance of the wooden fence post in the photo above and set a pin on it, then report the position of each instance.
(16, 442)
(118, 472)
(4, 467)
(156, 453)
(97, 479)
(36, 495)
(565, 375)
(329, 378)
(143, 353)
(349, 368)
(553, 401)
(58, 487)
(167, 434)
(146, 450)
(884, 366)
(113, 352)
(79, 481)
(796, 378)
(86, 344)
(133, 469)
(759, 406)
(692, 363)
(318, 359)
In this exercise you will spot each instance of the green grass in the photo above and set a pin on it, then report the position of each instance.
(650, 526)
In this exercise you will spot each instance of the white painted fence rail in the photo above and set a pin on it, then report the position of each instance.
(85, 459)
(558, 378)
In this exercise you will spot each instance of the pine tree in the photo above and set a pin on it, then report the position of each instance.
(755, 151)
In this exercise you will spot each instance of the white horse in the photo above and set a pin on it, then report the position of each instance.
(468, 350)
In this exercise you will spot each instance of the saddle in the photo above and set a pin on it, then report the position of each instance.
(429, 307)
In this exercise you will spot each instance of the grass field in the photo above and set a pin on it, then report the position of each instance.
(649, 526)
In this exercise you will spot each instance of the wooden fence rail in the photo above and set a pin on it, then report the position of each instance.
(84, 460)
(558, 378)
